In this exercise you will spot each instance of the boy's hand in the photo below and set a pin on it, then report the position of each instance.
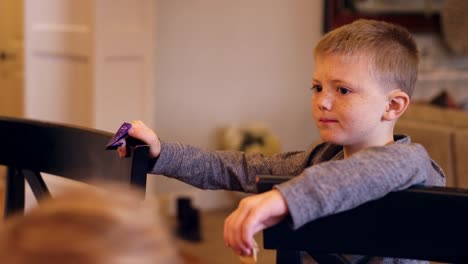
(140, 131)
(254, 214)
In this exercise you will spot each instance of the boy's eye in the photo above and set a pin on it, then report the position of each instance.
(343, 90)
(316, 88)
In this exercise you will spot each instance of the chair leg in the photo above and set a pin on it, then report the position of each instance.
(37, 184)
(14, 195)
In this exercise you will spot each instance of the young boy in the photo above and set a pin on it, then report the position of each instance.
(363, 79)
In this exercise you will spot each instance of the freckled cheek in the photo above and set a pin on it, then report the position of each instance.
(351, 117)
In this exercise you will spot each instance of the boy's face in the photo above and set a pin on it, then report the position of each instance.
(347, 103)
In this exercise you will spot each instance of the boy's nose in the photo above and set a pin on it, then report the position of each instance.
(324, 101)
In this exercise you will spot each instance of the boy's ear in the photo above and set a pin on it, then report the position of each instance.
(397, 104)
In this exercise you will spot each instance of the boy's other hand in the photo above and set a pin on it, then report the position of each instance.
(140, 131)
(254, 214)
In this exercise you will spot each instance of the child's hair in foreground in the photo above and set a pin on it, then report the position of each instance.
(390, 50)
(87, 225)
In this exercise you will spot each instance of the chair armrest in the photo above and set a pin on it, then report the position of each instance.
(266, 182)
(418, 223)
(139, 165)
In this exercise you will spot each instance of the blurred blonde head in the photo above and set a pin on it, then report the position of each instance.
(87, 225)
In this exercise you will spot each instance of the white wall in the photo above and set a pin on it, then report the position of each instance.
(224, 61)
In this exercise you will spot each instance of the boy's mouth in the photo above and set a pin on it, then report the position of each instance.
(327, 120)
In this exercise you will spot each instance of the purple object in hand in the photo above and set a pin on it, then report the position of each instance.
(117, 139)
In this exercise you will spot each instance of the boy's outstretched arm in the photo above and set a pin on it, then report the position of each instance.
(212, 169)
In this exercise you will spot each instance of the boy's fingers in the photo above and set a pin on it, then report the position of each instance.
(246, 252)
(238, 229)
(231, 232)
(248, 229)
(226, 231)
(122, 150)
(241, 228)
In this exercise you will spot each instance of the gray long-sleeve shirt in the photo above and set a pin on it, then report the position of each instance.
(325, 183)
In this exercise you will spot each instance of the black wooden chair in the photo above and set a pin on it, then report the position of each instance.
(30, 147)
(426, 223)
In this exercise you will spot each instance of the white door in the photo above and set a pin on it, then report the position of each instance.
(90, 62)
(125, 46)
(58, 59)
(11, 58)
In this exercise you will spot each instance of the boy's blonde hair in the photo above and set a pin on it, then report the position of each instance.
(390, 49)
(88, 226)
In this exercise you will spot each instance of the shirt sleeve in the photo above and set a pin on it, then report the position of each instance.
(335, 186)
(230, 170)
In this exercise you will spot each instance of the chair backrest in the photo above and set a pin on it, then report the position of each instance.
(31, 147)
(427, 223)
